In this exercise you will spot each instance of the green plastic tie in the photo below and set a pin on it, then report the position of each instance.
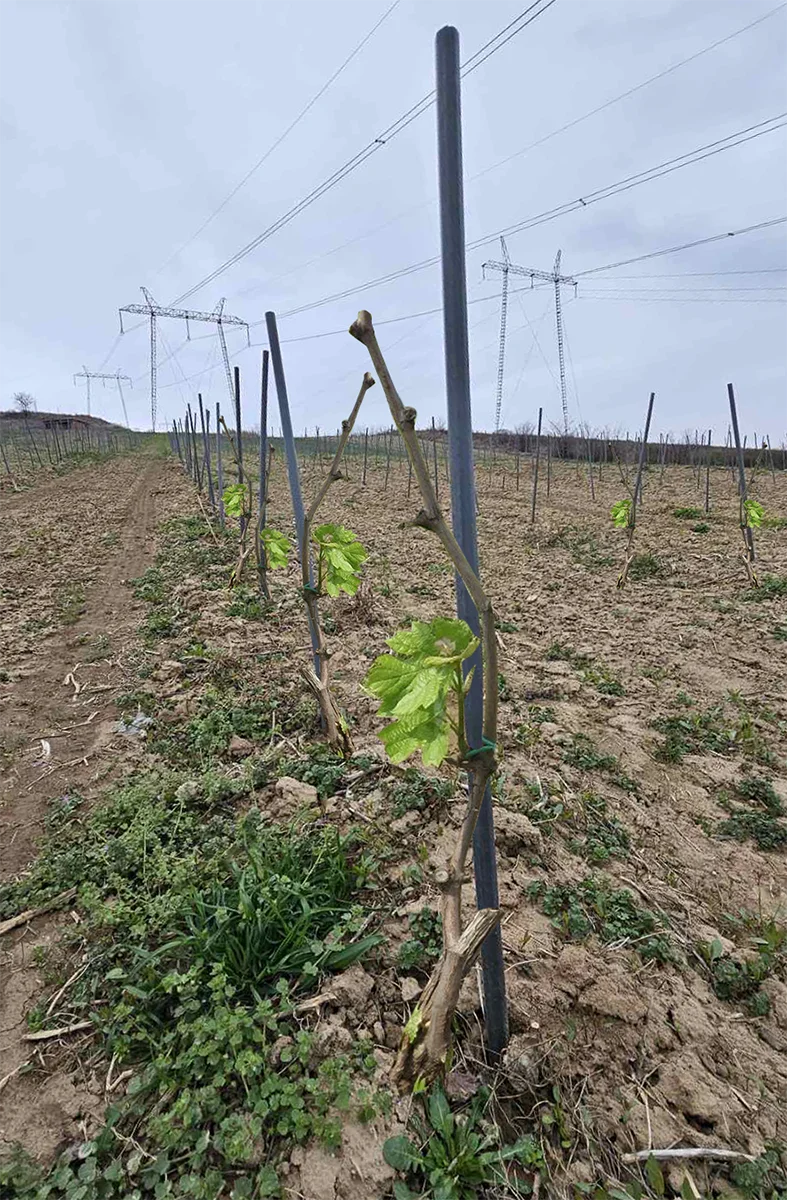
(309, 590)
(486, 744)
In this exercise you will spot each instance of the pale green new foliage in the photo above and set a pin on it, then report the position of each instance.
(620, 513)
(234, 499)
(277, 548)
(415, 685)
(754, 513)
(340, 557)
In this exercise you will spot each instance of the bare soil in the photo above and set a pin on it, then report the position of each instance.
(644, 1054)
(68, 647)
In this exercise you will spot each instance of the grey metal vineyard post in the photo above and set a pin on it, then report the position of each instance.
(747, 532)
(239, 435)
(206, 451)
(707, 472)
(460, 442)
(263, 489)
(292, 458)
(535, 472)
(219, 465)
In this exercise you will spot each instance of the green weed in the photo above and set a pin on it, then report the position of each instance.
(594, 906)
(701, 527)
(758, 821)
(459, 1157)
(771, 587)
(425, 944)
(739, 980)
(709, 730)
(603, 837)
(583, 754)
(247, 602)
(596, 674)
(416, 792)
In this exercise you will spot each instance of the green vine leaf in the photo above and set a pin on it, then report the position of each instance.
(277, 548)
(234, 498)
(620, 513)
(753, 513)
(340, 557)
(416, 683)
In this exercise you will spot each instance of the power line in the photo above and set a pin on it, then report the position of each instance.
(524, 150)
(281, 137)
(719, 237)
(665, 168)
(629, 92)
(372, 147)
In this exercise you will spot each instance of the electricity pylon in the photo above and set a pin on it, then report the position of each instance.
(553, 276)
(153, 310)
(88, 375)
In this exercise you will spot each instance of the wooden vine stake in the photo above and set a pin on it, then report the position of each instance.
(335, 727)
(424, 1049)
(632, 519)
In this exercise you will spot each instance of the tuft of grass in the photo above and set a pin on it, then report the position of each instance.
(701, 527)
(687, 514)
(70, 603)
(646, 566)
(594, 906)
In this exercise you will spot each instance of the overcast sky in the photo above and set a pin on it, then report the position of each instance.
(126, 124)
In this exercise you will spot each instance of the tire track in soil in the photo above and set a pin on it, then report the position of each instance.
(43, 1111)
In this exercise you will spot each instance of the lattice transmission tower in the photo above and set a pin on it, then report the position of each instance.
(116, 377)
(153, 310)
(554, 276)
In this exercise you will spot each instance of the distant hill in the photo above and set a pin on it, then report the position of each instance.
(12, 421)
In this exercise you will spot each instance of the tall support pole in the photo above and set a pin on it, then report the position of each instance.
(535, 472)
(176, 440)
(460, 435)
(153, 372)
(501, 358)
(226, 360)
(292, 459)
(561, 358)
(219, 465)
